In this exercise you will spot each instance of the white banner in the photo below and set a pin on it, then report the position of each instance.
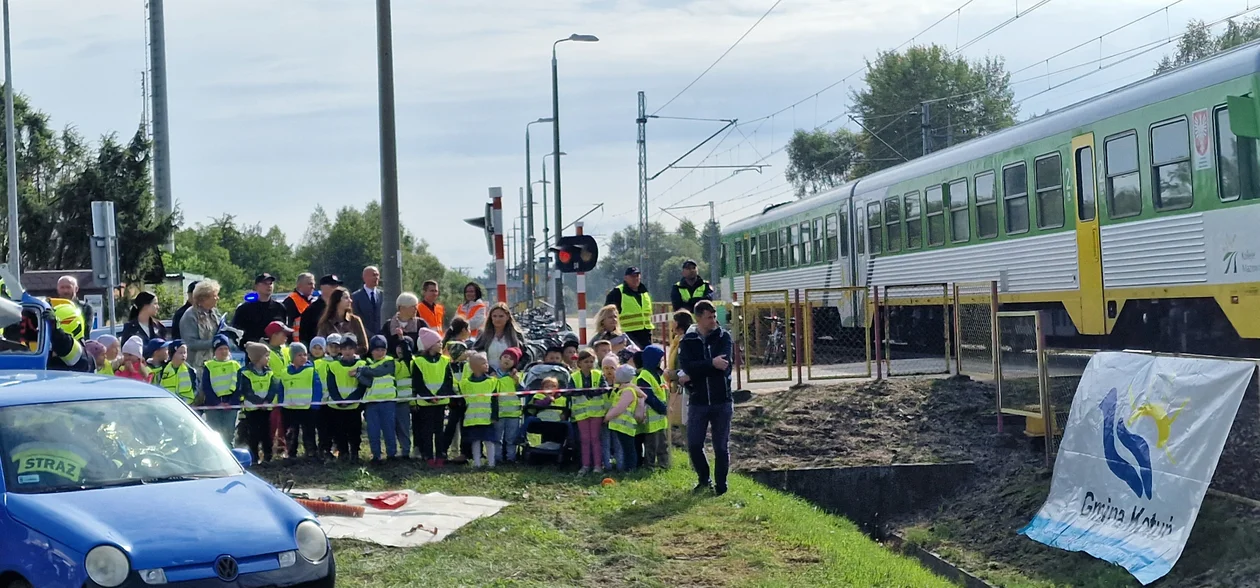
(1140, 446)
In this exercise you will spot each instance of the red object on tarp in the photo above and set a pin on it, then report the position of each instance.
(388, 500)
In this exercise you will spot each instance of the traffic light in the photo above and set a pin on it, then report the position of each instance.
(576, 253)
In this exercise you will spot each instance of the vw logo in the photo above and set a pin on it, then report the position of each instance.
(226, 568)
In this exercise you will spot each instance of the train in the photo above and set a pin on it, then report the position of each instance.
(1131, 218)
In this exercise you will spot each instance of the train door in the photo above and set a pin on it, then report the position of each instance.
(1091, 315)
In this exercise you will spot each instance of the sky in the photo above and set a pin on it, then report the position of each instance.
(274, 105)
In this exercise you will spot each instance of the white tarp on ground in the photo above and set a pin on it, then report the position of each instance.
(386, 527)
(1141, 444)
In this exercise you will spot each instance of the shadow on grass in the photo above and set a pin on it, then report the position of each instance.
(644, 512)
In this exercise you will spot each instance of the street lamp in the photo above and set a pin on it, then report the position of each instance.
(555, 134)
(529, 204)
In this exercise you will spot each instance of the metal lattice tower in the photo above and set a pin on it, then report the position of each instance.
(643, 191)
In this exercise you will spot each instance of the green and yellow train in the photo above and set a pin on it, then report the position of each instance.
(1132, 217)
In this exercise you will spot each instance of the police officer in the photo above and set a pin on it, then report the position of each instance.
(634, 307)
(691, 289)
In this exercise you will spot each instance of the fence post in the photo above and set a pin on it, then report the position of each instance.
(945, 327)
(739, 376)
(1043, 384)
(958, 367)
(796, 328)
(996, 343)
(879, 347)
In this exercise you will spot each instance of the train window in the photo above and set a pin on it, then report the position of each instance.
(1015, 197)
(935, 209)
(832, 238)
(792, 238)
(785, 247)
(875, 226)
(763, 262)
(1170, 165)
(803, 250)
(774, 250)
(986, 206)
(861, 234)
(722, 261)
(819, 240)
(959, 214)
(1124, 184)
(892, 221)
(1086, 205)
(1236, 165)
(1049, 171)
(914, 221)
(739, 256)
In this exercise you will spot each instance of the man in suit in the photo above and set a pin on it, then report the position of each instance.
(366, 301)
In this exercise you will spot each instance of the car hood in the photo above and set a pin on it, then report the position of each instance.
(170, 523)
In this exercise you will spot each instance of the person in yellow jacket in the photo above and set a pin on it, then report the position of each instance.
(652, 429)
(431, 375)
(176, 376)
(217, 391)
(380, 399)
(303, 393)
(634, 308)
(278, 334)
(625, 415)
(588, 411)
(478, 390)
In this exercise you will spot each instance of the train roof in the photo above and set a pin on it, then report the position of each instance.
(1235, 63)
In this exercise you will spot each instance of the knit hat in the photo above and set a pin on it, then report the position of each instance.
(319, 342)
(173, 344)
(516, 354)
(610, 361)
(94, 348)
(378, 342)
(153, 345)
(652, 356)
(332, 339)
(221, 340)
(429, 338)
(297, 347)
(107, 340)
(256, 352)
(134, 346)
(625, 374)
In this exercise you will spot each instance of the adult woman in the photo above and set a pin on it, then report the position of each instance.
(500, 334)
(339, 318)
(142, 319)
(200, 323)
(474, 309)
(458, 331)
(606, 325)
(405, 322)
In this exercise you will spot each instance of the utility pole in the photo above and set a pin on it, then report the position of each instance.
(643, 191)
(714, 247)
(391, 269)
(161, 125)
(10, 153)
(925, 126)
(520, 262)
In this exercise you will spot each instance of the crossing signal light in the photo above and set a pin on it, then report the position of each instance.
(576, 253)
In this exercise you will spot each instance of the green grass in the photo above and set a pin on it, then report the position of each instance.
(647, 530)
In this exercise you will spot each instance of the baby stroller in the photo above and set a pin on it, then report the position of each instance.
(548, 431)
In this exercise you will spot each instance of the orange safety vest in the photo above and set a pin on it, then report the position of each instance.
(432, 317)
(301, 303)
(472, 311)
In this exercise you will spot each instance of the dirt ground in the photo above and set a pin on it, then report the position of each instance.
(939, 420)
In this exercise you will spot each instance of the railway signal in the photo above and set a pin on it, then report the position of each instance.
(576, 253)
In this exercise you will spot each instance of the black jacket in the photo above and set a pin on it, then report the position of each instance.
(310, 320)
(708, 386)
(675, 296)
(253, 317)
(131, 328)
(179, 314)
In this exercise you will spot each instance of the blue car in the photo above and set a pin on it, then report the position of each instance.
(110, 482)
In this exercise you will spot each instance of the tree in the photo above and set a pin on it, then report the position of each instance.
(964, 99)
(1198, 42)
(820, 159)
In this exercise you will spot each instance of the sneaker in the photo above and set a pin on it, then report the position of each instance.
(719, 490)
(702, 487)
(598, 471)
(584, 471)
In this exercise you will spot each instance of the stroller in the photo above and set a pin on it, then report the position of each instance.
(548, 432)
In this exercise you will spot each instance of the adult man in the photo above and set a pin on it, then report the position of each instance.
(298, 301)
(366, 301)
(691, 289)
(313, 312)
(634, 307)
(703, 358)
(179, 312)
(429, 309)
(68, 288)
(258, 310)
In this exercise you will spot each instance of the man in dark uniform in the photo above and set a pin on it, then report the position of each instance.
(258, 310)
(310, 317)
(691, 289)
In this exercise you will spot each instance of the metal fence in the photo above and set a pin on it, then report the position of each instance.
(916, 332)
(767, 338)
(1022, 380)
(837, 333)
(975, 340)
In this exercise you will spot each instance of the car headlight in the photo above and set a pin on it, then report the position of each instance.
(107, 565)
(312, 543)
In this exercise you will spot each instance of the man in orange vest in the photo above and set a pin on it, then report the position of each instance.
(432, 312)
(298, 301)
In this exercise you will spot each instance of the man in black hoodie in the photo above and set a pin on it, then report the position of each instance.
(704, 362)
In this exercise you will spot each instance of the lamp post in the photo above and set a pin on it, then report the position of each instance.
(555, 134)
(529, 205)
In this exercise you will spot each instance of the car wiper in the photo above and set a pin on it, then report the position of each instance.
(97, 486)
(177, 478)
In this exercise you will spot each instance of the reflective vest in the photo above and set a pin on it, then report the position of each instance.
(509, 403)
(655, 421)
(635, 315)
(299, 388)
(340, 373)
(301, 303)
(434, 375)
(432, 317)
(279, 360)
(402, 381)
(697, 292)
(178, 381)
(106, 368)
(588, 407)
(222, 376)
(625, 423)
(554, 412)
(321, 368)
(473, 309)
(260, 383)
(382, 386)
(479, 399)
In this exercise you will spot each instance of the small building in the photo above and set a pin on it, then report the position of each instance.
(44, 283)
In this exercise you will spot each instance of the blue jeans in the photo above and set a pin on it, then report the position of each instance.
(507, 433)
(628, 456)
(380, 420)
(606, 441)
(223, 422)
(699, 419)
(402, 429)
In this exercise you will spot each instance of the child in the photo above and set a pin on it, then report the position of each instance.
(569, 352)
(132, 365)
(508, 426)
(96, 351)
(277, 334)
(108, 360)
(324, 353)
(404, 352)
(554, 355)
(624, 417)
(458, 352)
(303, 391)
(257, 385)
(155, 354)
(478, 389)
(431, 375)
(588, 411)
(177, 377)
(345, 419)
(218, 389)
(602, 348)
(608, 442)
(380, 398)
(655, 445)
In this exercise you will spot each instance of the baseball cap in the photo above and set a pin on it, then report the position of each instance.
(275, 327)
(689, 263)
(632, 271)
(330, 280)
(264, 277)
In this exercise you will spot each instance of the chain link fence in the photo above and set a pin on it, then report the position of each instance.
(837, 333)
(916, 329)
(767, 339)
(1022, 379)
(975, 312)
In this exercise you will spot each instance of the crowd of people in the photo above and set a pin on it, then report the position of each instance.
(319, 367)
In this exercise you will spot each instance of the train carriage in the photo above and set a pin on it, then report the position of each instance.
(1129, 216)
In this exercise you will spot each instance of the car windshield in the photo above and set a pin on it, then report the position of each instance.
(71, 446)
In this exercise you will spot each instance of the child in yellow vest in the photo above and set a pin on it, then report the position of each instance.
(608, 445)
(345, 390)
(278, 334)
(177, 377)
(431, 376)
(653, 430)
(380, 400)
(218, 392)
(303, 393)
(625, 415)
(323, 353)
(508, 425)
(478, 391)
(588, 411)
(256, 385)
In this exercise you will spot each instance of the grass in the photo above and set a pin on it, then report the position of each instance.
(647, 530)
